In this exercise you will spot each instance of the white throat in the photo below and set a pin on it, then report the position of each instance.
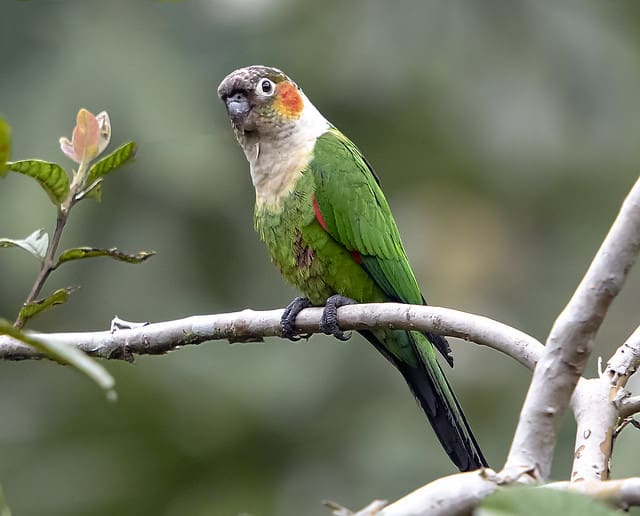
(278, 159)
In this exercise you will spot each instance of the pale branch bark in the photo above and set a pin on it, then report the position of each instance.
(459, 494)
(373, 508)
(569, 344)
(629, 406)
(251, 326)
(625, 360)
(447, 496)
(622, 493)
(596, 418)
(598, 404)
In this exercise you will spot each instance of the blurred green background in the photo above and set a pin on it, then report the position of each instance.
(506, 134)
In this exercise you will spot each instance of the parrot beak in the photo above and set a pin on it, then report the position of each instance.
(237, 106)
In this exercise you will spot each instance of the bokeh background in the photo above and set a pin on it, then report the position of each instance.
(506, 134)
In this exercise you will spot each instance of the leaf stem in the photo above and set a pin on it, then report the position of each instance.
(48, 264)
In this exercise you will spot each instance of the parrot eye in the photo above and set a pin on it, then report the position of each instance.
(266, 87)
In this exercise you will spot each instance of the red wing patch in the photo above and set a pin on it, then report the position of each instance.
(316, 211)
(357, 257)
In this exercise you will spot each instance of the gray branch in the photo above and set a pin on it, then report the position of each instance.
(597, 404)
(622, 493)
(596, 416)
(447, 496)
(252, 326)
(570, 342)
(625, 360)
(629, 406)
(459, 494)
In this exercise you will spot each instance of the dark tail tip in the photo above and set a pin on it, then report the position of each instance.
(436, 398)
(448, 420)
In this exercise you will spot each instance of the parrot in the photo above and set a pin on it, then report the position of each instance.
(328, 227)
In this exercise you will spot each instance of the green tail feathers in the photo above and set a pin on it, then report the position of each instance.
(434, 394)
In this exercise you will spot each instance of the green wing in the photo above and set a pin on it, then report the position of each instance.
(358, 216)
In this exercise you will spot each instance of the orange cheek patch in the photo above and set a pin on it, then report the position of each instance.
(288, 101)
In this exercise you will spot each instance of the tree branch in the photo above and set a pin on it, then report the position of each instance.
(570, 342)
(252, 326)
(447, 496)
(629, 406)
(597, 405)
(459, 494)
(622, 493)
(596, 417)
(625, 360)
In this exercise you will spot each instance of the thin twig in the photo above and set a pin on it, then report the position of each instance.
(48, 264)
(629, 406)
(625, 361)
(624, 423)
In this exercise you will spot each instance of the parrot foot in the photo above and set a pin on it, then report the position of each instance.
(288, 319)
(329, 320)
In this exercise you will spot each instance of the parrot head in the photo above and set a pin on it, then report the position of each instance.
(261, 99)
(275, 124)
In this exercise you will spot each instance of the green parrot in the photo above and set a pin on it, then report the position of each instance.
(329, 229)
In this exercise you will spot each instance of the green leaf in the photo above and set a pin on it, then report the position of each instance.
(79, 253)
(5, 145)
(100, 168)
(51, 176)
(35, 307)
(36, 243)
(534, 501)
(65, 354)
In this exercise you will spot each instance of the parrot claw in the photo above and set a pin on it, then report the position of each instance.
(329, 320)
(288, 319)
